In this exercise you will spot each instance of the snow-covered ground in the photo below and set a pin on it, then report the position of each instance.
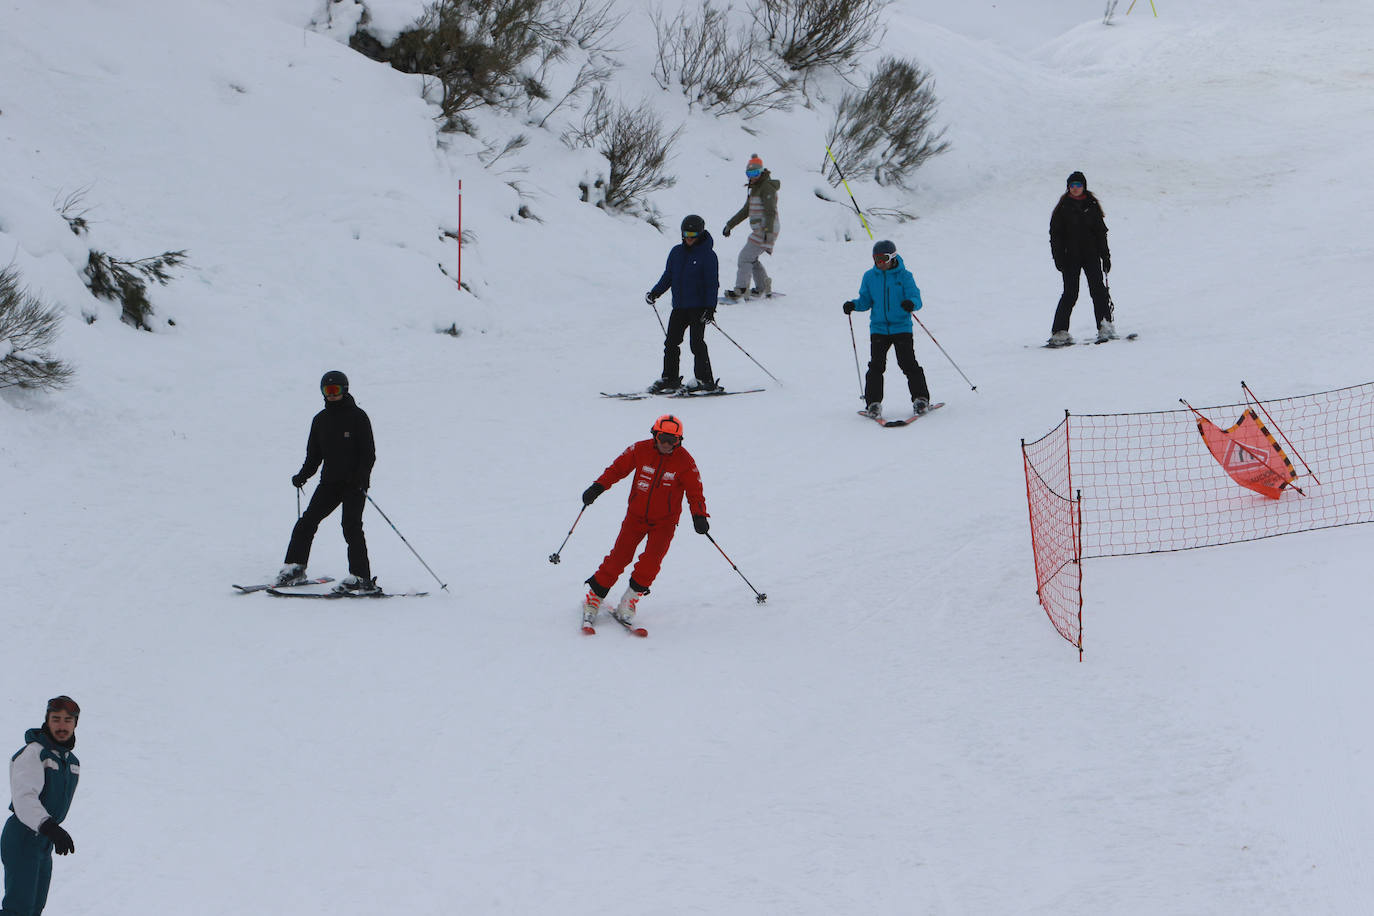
(898, 729)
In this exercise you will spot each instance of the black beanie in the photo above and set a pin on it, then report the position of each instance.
(1076, 176)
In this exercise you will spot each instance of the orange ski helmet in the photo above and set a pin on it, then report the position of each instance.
(668, 424)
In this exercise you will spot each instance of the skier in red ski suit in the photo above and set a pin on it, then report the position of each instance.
(663, 473)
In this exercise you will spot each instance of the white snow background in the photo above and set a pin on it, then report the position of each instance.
(898, 730)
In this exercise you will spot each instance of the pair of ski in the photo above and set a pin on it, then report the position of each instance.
(675, 393)
(279, 591)
(1085, 342)
(630, 628)
(889, 424)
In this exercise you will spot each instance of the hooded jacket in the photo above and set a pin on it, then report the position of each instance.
(1078, 231)
(341, 437)
(43, 777)
(659, 484)
(763, 227)
(693, 273)
(882, 292)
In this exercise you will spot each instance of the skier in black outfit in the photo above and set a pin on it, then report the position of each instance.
(693, 273)
(341, 438)
(1078, 242)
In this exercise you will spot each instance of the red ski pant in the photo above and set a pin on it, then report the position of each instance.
(632, 531)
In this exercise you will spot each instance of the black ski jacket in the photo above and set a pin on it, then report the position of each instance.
(1078, 231)
(341, 437)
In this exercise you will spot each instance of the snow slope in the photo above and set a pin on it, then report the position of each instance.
(899, 729)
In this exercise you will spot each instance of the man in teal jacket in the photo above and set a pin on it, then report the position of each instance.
(43, 777)
(889, 294)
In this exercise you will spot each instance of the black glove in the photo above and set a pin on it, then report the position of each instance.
(707, 316)
(650, 298)
(362, 484)
(1106, 263)
(725, 232)
(908, 305)
(299, 480)
(701, 523)
(590, 494)
(848, 307)
(61, 840)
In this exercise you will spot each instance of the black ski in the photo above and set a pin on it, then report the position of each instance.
(248, 589)
(679, 393)
(339, 594)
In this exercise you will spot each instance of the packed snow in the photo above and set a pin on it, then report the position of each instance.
(898, 729)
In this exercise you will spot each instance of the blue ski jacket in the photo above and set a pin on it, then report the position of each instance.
(693, 273)
(881, 293)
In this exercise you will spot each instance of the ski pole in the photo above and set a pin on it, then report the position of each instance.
(660, 318)
(554, 557)
(852, 340)
(759, 597)
(942, 350)
(745, 352)
(298, 503)
(404, 541)
(845, 182)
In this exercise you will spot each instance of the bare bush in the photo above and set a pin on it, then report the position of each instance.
(637, 147)
(473, 54)
(578, 27)
(28, 329)
(73, 211)
(885, 130)
(126, 282)
(719, 68)
(808, 34)
(498, 53)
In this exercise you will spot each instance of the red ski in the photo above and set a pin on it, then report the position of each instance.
(905, 422)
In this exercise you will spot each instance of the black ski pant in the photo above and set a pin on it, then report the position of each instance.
(679, 321)
(329, 495)
(905, 348)
(1102, 302)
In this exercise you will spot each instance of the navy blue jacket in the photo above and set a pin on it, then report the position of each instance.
(693, 273)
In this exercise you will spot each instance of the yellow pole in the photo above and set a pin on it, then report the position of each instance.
(845, 182)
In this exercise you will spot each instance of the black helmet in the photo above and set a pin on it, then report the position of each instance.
(884, 247)
(334, 377)
(693, 223)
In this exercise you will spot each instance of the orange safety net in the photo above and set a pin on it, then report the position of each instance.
(1248, 453)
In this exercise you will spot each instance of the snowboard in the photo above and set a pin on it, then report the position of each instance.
(726, 300)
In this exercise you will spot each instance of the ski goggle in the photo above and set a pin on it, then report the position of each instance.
(1075, 184)
(883, 257)
(65, 704)
(753, 173)
(690, 235)
(332, 391)
(668, 439)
